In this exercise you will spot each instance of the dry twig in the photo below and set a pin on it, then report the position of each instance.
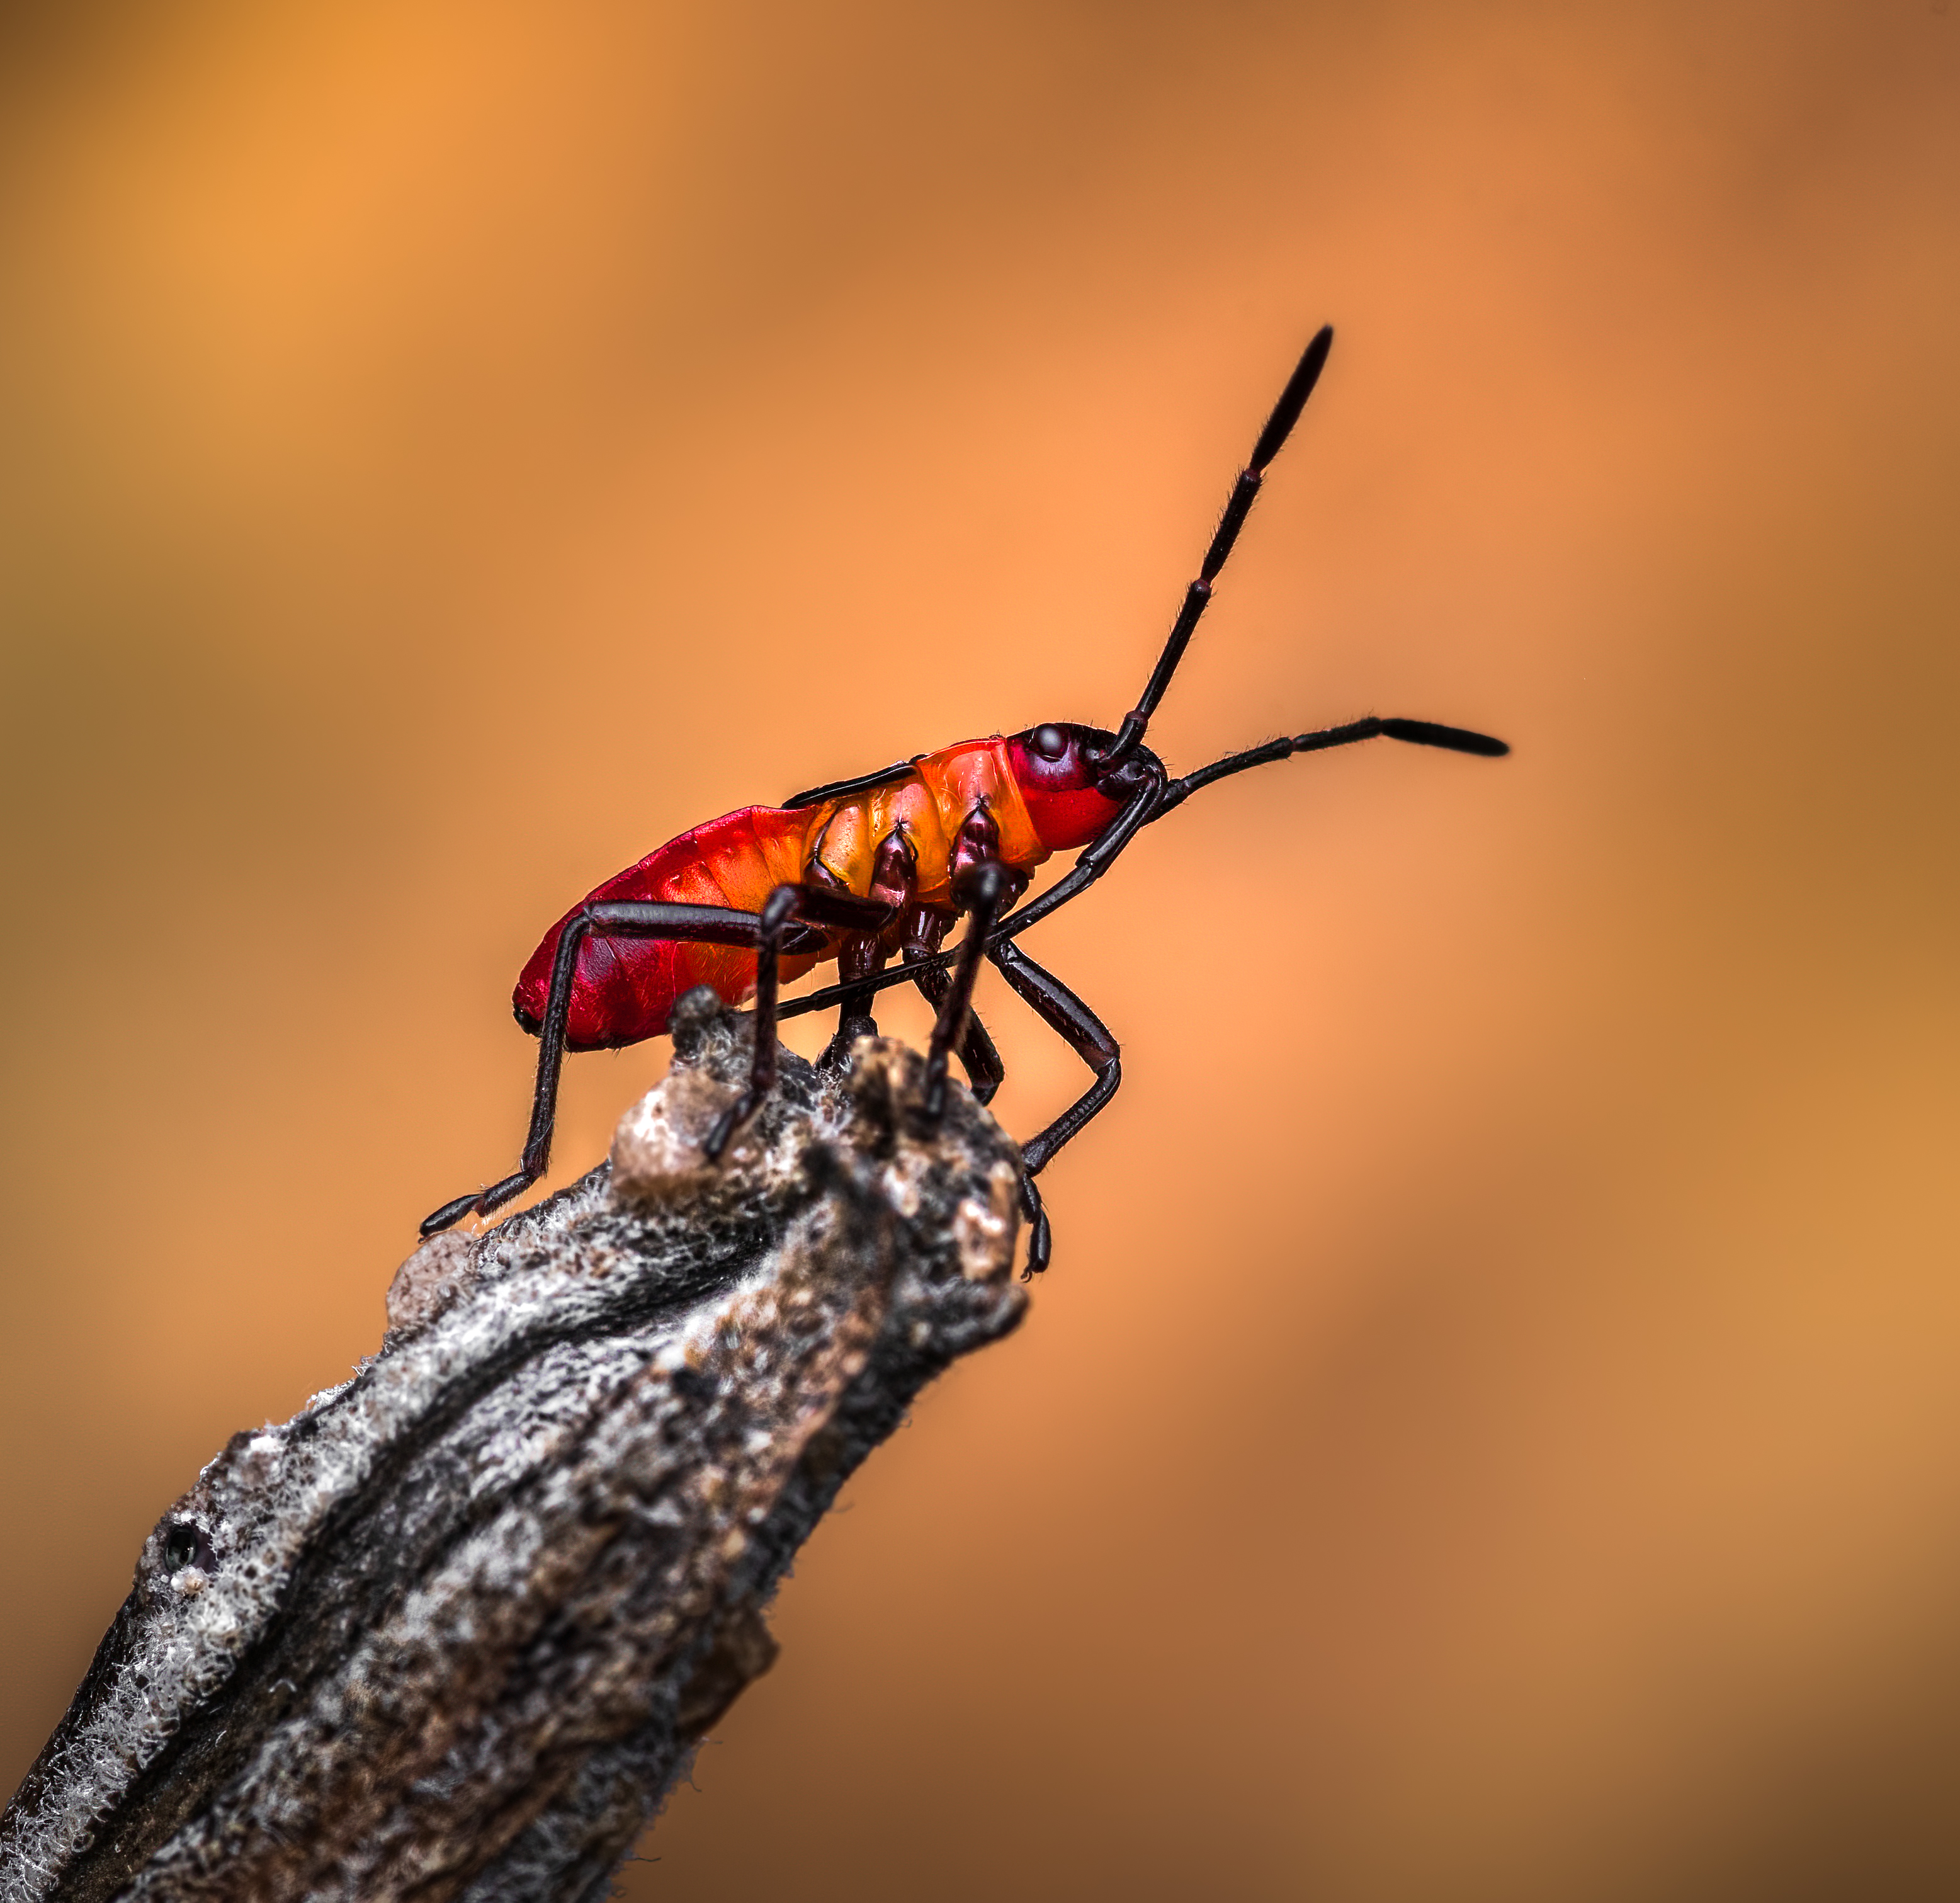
(452, 1631)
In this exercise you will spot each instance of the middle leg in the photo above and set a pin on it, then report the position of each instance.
(787, 905)
(859, 959)
(984, 890)
(925, 931)
(862, 955)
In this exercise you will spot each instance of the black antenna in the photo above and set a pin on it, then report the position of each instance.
(1272, 440)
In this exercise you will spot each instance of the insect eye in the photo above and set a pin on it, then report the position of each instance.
(179, 1547)
(1050, 743)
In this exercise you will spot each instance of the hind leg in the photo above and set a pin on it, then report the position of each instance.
(684, 925)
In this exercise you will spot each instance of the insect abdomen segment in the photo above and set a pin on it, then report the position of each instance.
(625, 988)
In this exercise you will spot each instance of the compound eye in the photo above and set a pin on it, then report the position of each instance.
(1050, 743)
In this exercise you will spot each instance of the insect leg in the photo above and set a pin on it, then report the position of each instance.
(624, 919)
(1040, 1237)
(695, 925)
(1089, 1037)
(778, 910)
(925, 932)
(983, 890)
(1096, 859)
(787, 905)
(894, 883)
(861, 956)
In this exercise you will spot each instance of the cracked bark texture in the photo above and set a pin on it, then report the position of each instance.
(454, 1629)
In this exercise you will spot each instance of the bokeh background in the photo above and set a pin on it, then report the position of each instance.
(1492, 1430)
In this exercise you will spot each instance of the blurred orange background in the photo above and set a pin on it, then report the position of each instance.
(1493, 1429)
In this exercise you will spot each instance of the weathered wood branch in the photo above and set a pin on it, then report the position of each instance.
(453, 1630)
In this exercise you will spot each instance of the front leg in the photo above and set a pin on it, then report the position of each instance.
(1089, 1037)
(683, 924)
(859, 959)
(862, 955)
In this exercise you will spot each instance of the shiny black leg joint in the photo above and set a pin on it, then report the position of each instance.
(684, 925)
(983, 890)
(1089, 1037)
(811, 905)
(985, 1073)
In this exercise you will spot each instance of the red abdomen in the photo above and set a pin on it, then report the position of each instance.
(624, 989)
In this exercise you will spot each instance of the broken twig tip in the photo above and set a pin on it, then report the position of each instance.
(454, 1629)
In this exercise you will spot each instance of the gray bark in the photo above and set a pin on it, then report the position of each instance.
(454, 1629)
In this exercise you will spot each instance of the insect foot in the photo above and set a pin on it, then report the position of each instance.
(541, 1525)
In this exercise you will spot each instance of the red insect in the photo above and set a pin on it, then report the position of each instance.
(861, 869)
